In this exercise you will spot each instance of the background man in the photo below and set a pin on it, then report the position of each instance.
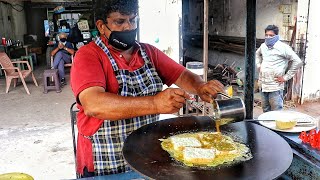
(62, 53)
(272, 59)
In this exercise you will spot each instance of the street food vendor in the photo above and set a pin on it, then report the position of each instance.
(118, 85)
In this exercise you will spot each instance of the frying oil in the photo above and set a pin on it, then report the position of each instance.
(218, 123)
(230, 151)
(222, 121)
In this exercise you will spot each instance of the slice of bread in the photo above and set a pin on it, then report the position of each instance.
(181, 142)
(226, 152)
(285, 124)
(196, 155)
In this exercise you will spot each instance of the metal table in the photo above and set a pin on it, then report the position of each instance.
(306, 160)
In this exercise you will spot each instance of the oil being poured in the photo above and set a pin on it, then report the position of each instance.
(222, 121)
(216, 117)
(218, 123)
(213, 113)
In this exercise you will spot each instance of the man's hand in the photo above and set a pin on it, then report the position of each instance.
(280, 79)
(208, 91)
(170, 100)
(60, 46)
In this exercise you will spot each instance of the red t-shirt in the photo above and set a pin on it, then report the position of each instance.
(92, 67)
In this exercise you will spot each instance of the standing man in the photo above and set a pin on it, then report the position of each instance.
(272, 59)
(62, 53)
(118, 85)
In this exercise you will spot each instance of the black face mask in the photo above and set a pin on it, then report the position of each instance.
(123, 40)
(63, 39)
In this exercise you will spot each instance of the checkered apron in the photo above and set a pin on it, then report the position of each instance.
(108, 141)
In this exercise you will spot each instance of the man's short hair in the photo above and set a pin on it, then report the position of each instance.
(103, 8)
(63, 34)
(273, 28)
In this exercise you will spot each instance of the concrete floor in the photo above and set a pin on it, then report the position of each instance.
(35, 131)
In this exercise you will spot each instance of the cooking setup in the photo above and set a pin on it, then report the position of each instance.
(271, 148)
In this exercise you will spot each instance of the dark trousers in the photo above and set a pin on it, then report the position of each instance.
(86, 173)
(60, 59)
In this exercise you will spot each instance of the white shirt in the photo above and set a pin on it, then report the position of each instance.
(273, 63)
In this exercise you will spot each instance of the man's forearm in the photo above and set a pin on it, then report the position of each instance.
(189, 81)
(258, 58)
(70, 51)
(53, 52)
(114, 107)
(296, 64)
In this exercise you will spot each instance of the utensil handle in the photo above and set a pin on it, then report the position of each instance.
(254, 120)
(223, 95)
(305, 125)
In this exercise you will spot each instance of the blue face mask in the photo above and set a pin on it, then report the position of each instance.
(270, 41)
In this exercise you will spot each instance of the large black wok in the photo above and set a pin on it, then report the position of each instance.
(272, 155)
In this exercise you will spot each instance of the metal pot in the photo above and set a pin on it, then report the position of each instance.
(228, 109)
(224, 109)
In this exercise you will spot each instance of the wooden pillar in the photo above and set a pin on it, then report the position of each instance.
(205, 43)
(205, 39)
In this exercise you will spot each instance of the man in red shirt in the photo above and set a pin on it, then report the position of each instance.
(118, 87)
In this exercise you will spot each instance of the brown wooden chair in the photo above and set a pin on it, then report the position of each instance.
(12, 72)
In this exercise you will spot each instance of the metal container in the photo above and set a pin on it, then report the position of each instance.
(228, 109)
(224, 109)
